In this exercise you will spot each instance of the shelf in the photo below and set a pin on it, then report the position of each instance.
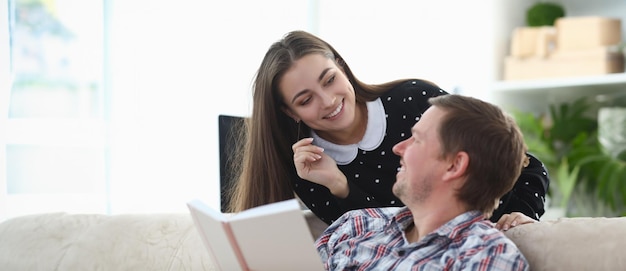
(537, 95)
(561, 83)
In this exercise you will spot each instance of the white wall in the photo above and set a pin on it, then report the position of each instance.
(447, 42)
(177, 66)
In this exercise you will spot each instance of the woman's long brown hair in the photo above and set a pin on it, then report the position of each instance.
(266, 170)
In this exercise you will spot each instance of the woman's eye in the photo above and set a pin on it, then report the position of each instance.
(305, 101)
(330, 80)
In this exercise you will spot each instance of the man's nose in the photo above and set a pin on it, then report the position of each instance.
(399, 148)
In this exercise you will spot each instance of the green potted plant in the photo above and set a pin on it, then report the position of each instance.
(544, 14)
(586, 181)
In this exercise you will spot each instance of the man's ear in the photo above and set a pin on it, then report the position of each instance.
(290, 113)
(457, 167)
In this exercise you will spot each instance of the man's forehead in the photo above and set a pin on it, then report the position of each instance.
(430, 118)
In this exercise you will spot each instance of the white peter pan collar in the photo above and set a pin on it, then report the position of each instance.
(374, 135)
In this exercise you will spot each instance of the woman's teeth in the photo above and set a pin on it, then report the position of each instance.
(334, 113)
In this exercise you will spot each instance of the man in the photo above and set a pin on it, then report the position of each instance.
(462, 156)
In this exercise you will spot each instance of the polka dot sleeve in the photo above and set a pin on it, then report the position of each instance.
(529, 193)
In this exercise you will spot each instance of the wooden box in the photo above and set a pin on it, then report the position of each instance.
(597, 61)
(532, 41)
(589, 32)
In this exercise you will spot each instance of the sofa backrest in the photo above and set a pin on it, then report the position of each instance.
(60, 241)
(581, 243)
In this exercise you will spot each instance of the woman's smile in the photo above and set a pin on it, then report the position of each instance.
(334, 115)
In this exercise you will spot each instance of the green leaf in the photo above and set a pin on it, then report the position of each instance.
(623, 187)
(603, 188)
(612, 186)
(566, 181)
(569, 121)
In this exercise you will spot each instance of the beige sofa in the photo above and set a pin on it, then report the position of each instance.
(59, 241)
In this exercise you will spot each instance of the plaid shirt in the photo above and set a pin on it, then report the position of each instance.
(373, 239)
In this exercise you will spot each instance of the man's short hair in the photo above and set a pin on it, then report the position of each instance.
(493, 142)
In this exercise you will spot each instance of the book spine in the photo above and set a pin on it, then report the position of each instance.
(235, 246)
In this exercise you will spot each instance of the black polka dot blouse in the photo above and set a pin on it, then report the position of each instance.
(370, 166)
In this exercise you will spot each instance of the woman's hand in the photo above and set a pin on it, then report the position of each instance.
(314, 165)
(513, 219)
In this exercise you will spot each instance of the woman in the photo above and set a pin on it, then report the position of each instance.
(318, 131)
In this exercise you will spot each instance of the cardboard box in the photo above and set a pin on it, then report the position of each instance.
(582, 33)
(533, 41)
(596, 61)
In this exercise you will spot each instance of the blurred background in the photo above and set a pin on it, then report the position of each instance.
(111, 106)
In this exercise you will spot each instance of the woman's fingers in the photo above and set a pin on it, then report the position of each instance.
(305, 156)
(511, 220)
(304, 146)
(505, 222)
(302, 143)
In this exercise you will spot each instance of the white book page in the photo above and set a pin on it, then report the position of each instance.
(217, 237)
(276, 237)
(268, 209)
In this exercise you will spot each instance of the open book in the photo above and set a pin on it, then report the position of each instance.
(269, 237)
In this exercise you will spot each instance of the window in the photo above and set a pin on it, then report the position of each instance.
(55, 146)
(113, 108)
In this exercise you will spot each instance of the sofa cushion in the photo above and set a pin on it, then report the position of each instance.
(39, 242)
(61, 241)
(582, 243)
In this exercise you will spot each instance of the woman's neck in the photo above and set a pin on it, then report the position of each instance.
(354, 133)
